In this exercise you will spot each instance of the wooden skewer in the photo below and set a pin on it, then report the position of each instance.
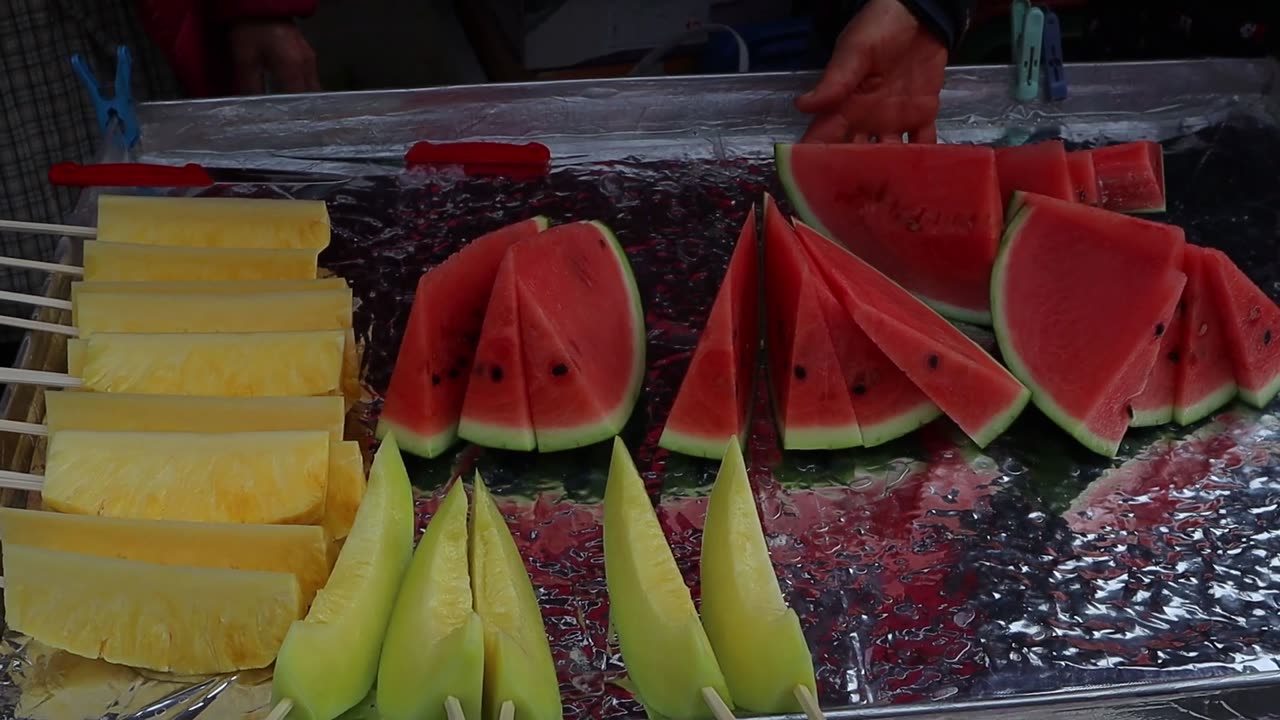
(42, 266)
(453, 709)
(21, 481)
(812, 710)
(21, 376)
(39, 300)
(38, 325)
(36, 228)
(508, 711)
(22, 428)
(718, 707)
(281, 709)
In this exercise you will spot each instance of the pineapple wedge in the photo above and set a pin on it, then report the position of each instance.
(213, 221)
(330, 659)
(188, 312)
(265, 477)
(346, 488)
(756, 637)
(192, 621)
(435, 641)
(176, 413)
(112, 262)
(298, 549)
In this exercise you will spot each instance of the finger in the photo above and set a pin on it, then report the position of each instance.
(830, 128)
(844, 73)
(926, 135)
(250, 76)
(290, 73)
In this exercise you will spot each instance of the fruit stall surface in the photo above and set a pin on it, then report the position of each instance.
(931, 577)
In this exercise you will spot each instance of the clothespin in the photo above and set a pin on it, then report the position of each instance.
(1028, 68)
(117, 110)
(1017, 18)
(1055, 73)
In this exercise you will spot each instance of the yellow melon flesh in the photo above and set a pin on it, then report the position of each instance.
(211, 364)
(213, 222)
(298, 549)
(192, 621)
(756, 637)
(346, 488)
(111, 262)
(435, 642)
(176, 413)
(187, 312)
(668, 656)
(330, 659)
(269, 477)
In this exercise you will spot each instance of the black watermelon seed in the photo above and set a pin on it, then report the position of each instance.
(435, 379)
(933, 362)
(1130, 409)
(453, 373)
(495, 373)
(560, 369)
(859, 389)
(1173, 356)
(1159, 329)
(801, 372)
(1266, 337)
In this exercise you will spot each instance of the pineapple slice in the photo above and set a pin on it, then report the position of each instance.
(330, 659)
(112, 262)
(175, 413)
(346, 488)
(213, 222)
(192, 621)
(298, 549)
(188, 312)
(261, 477)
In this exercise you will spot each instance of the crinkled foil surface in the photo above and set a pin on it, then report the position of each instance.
(1032, 578)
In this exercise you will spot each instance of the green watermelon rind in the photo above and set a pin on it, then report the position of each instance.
(1213, 401)
(416, 443)
(1152, 418)
(695, 445)
(900, 425)
(782, 160)
(1263, 396)
(494, 436)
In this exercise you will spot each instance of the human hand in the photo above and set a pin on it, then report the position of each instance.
(882, 82)
(276, 48)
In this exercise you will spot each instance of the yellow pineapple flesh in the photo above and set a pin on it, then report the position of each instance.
(191, 621)
(115, 262)
(188, 312)
(301, 550)
(261, 477)
(346, 488)
(177, 413)
(213, 222)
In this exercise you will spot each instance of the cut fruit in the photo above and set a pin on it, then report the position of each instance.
(1038, 168)
(756, 637)
(518, 667)
(176, 413)
(811, 401)
(348, 619)
(213, 222)
(497, 391)
(268, 477)
(1130, 177)
(424, 399)
(435, 641)
(345, 488)
(187, 312)
(1065, 281)
(936, 238)
(1251, 327)
(1084, 180)
(668, 656)
(207, 287)
(301, 550)
(1154, 406)
(112, 262)
(959, 377)
(192, 621)
(582, 328)
(723, 367)
(1205, 376)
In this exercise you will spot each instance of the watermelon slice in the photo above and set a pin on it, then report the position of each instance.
(1130, 177)
(423, 401)
(1084, 179)
(1064, 290)
(1205, 377)
(952, 371)
(1039, 168)
(928, 216)
(810, 399)
(1154, 406)
(714, 401)
(1252, 329)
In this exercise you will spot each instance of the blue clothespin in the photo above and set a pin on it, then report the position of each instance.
(118, 109)
(1028, 78)
(1055, 73)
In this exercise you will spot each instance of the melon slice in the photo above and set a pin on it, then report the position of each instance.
(175, 413)
(518, 667)
(756, 637)
(213, 221)
(263, 477)
(1084, 179)
(192, 621)
(1252, 329)
(1065, 281)
(205, 287)
(348, 619)
(301, 550)
(497, 390)
(1038, 168)
(669, 658)
(435, 641)
(188, 312)
(928, 216)
(424, 399)
(1130, 176)
(1205, 376)
(949, 368)
(582, 329)
(811, 400)
(345, 488)
(1154, 406)
(715, 398)
(112, 262)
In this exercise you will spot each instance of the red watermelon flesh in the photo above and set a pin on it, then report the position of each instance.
(715, 398)
(497, 391)
(811, 400)
(1205, 378)
(582, 330)
(959, 370)
(1130, 176)
(1252, 329)
(928, 216)
(423, 402)
(1084, 179)
(1154, 406)
(1038, 168)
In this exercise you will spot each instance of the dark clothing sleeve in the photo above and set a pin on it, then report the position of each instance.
(947, 19)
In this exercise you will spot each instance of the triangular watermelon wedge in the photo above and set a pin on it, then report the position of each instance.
(1154, 406)
(1130, 176)
(1252, 329)
(1038, 167)
(715, 398)
(1205, 377)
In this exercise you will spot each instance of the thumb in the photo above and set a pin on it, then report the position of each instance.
(845, 72)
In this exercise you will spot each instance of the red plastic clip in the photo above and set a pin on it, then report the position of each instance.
(484, 158)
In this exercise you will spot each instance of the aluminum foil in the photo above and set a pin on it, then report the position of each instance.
(931, 577)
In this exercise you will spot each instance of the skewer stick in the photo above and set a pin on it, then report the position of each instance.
(508, 711)
(281, 709)
(809, 703)
(21, 480)
(717, 705)
(37, 325)
(36, 228)
(42, 266)
(39, 300)
(21, 376)
(23, 428)
(453, 709)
